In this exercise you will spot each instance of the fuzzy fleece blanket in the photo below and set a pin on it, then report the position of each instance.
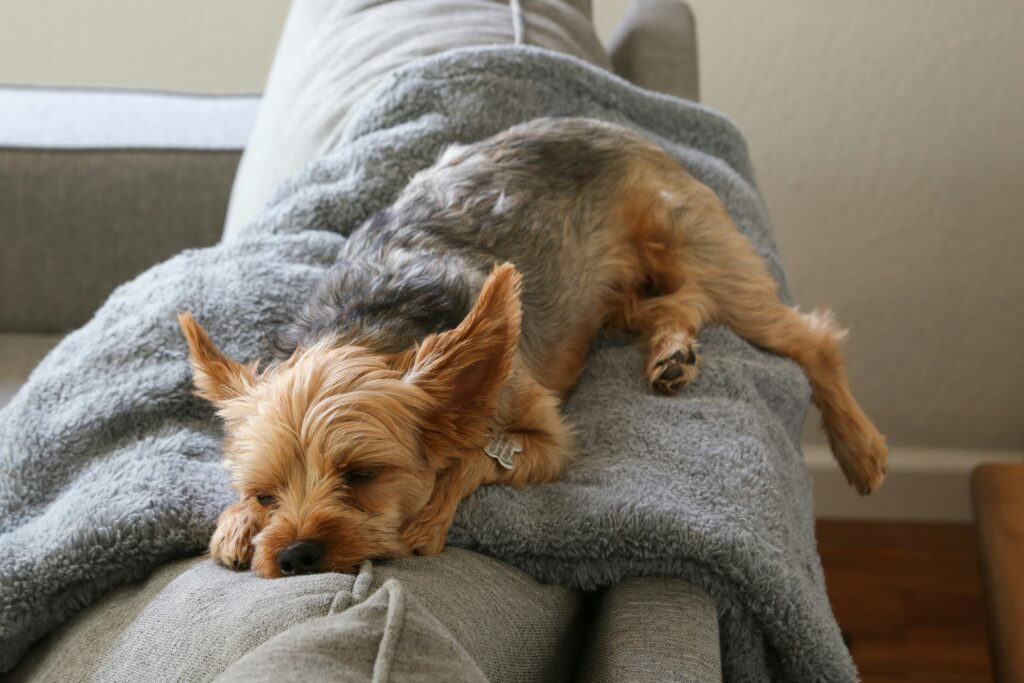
(109, 466)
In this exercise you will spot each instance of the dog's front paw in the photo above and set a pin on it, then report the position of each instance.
(426, 537)
(231, 543)
(672, 364)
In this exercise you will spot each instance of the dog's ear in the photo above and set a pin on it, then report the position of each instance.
(463, 369)
(217, 377)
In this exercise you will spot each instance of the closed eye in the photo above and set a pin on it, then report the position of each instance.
(354, 477)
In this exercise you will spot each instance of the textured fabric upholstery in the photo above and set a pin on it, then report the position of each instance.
(96, 186)
(516, 629)
(78, 223)
(76, 650)
(652, 629)
(655, 47)
(192, 620)
(389, 638)
(332, 53)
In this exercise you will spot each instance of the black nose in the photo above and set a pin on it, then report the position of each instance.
(301, 557)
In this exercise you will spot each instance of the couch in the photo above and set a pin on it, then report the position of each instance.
(97, 186)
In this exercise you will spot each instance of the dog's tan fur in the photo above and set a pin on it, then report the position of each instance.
(670, 262)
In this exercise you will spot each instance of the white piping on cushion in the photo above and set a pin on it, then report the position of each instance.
(518, 26)
(85, 118)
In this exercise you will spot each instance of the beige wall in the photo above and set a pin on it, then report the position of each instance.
(888, 139)
(188, 45)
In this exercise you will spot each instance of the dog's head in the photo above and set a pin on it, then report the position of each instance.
(335, 451)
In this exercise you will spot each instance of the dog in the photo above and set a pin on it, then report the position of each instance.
(436, 353)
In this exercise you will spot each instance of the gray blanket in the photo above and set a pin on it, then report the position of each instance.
(108, 465)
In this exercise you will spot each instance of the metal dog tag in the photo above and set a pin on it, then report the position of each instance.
(504, 448)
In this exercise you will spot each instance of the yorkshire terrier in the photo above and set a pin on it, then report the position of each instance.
(436, 354)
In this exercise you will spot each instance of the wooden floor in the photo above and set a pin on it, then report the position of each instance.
(908, 597)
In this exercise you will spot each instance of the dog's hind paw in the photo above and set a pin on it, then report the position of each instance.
(671, 365)
(865, 463)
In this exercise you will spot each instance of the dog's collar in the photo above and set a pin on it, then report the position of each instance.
(504, 447)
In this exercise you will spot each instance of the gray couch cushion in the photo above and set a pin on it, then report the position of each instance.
(652, 629)
(388, 637)
(193, 620)
(332, 53)
(76, 650)
(516, 629)
(79, 223)
(189, 628)
(98, 186)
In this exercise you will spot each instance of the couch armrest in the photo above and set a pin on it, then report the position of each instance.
(652, 629)
(95, 187)
(655, 47)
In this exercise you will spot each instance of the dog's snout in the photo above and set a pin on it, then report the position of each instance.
(301, 557)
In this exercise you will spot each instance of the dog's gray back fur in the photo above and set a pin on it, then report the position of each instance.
(534, 195)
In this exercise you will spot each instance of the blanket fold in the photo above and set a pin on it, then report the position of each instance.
(108, 465)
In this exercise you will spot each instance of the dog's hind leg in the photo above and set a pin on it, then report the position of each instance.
(699, 268)
(725, 280)
(813, 340)
(670, 323)
(670, 308)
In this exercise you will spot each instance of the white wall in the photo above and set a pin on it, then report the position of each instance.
(888, 139)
